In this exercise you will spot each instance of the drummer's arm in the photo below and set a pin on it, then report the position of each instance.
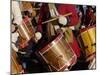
(16, 49)
(16, 13)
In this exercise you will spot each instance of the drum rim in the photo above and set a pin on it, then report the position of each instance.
(49, 45)
(71, 62)
(85, 29)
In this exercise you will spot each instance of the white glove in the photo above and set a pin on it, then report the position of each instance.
(15, 37)
(38, 35)
(62, 20)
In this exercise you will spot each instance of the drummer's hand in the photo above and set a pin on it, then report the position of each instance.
(62, 20)
(38, 36)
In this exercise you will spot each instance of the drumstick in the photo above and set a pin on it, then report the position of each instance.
(36, 8)
(68, 14)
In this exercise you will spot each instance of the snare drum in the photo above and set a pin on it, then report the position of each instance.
(26, 30)
(87, 41)
(58, 54)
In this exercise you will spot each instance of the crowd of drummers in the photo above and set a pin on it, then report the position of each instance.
(52, 37)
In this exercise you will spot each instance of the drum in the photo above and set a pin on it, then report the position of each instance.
(26, 30)
(87, 41)
(15, 67)
(58, 54)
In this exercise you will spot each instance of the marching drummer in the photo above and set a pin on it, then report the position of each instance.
(70, 21)
(21, 47)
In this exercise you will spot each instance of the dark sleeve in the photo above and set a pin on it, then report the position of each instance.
(42, 16)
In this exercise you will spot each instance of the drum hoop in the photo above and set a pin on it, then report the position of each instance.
(91, 54)
(50, 45)
(85, 29)
(68, 63)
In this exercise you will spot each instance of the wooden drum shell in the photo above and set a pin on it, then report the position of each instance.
(58, 54)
